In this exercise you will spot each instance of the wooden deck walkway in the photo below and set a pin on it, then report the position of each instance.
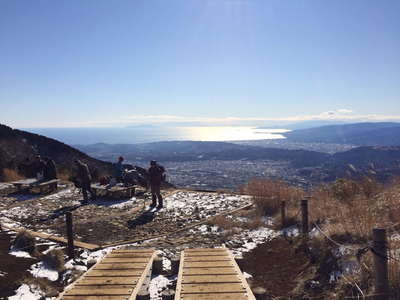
(211, 274)
(119, 275)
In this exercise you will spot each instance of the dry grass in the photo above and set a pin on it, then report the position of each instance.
(11, 175)
(268, 194)
(348, 210)
(24, 241)
(354, 208)
(54, 259)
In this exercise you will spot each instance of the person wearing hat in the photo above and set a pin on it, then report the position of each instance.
(84, 179)
(156, 176)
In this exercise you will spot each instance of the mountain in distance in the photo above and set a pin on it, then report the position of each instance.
(16, 146)
(362, 134)
(303, 125)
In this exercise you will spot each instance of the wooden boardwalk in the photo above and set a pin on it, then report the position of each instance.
(211, 274)
(119, 275)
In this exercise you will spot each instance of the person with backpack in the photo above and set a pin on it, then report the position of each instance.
(84, 180)
(156, 176)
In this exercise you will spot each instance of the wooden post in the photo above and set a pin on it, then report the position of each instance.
(379, 249)
(157, 265)
(175, 261)
(304, 217)
(283, 214)
(70, 235)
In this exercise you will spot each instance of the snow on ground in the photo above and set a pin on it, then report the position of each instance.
(25, 292)
(158, 284)
(40, 269)
(206, 204)
(251, 238)
(19, 253)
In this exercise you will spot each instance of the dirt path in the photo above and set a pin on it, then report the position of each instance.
(275, 266)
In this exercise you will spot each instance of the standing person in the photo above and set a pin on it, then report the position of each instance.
(119, 170)
(50, 170)
(84, 179)
(156, 176)
(38, 168)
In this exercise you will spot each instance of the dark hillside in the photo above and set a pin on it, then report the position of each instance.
(16, 146)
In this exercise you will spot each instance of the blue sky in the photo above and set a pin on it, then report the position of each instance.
(108, 63)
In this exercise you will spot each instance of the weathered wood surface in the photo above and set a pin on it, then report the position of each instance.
(116, 280)
(50, 237)
(211, 274)
(115, 192)
(32, 183)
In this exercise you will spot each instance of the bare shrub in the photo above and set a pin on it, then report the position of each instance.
(54, 259)
(268, 194)
(25, 241)
(11, 175)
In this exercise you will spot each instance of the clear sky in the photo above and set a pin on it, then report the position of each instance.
(104, 63)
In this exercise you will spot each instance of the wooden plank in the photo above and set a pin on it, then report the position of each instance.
(217, 296)
(95, 297)
(114, 273)
(209, 271)
(48, 182)
(124, 260)
(120, 266)
(187, 251)
(244, 281)
(145, 275)
(199, 279)
(50, 237)
(108, 280)
(28, 181)
(129, 255)
(99, 292)
(212, 288)
(206, 253)
(178, 289)
(100, 286)
(206, 264)
(134, 251)
(207, 258)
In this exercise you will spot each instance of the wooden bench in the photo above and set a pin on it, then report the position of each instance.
(31, 184)
(119, 275)
(211, 274)
(115, 192)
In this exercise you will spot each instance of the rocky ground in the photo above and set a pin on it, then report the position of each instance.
(107, 221)
(271, 258)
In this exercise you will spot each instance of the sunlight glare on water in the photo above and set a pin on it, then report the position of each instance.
(234, 133)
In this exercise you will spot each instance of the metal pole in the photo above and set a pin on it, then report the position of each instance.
(380, 250)
(70, 235)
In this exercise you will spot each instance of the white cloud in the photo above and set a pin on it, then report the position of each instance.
(176, 120)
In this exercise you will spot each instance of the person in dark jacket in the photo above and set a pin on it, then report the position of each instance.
(156, 176)
(119, 170)
(50, 171)
(38, 167)
(84, 180)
